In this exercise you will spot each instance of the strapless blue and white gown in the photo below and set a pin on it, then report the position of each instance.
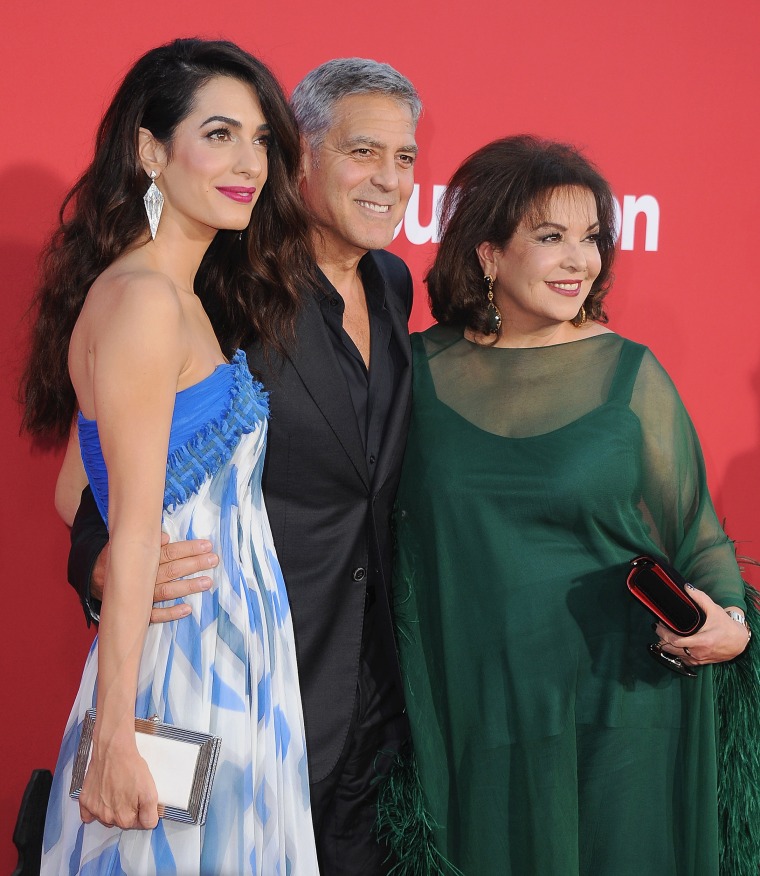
(228, 669)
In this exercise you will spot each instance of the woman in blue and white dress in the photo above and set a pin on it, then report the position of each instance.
(170, 431)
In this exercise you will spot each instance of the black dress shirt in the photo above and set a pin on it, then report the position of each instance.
(371, 389)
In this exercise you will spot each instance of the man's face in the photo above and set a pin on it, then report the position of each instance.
(358, 181)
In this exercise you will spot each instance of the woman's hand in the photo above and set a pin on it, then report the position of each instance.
(118, 790)
(721, 638)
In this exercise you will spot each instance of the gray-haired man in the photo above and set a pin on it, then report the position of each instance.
(339, 412)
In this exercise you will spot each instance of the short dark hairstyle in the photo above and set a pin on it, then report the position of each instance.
(488, 196)
(251, 283)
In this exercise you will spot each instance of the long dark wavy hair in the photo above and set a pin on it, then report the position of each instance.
(488, 196)
(251, 283)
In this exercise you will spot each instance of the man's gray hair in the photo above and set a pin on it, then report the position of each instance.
(317, 93)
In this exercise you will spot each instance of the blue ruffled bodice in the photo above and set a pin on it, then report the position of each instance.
(209, 418)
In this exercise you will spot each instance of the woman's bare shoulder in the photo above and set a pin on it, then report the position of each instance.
(129, 299)
(134, 286)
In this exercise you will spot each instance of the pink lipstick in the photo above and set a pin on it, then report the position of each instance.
(570, 288)
(241, 194)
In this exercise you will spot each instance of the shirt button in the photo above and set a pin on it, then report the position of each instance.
(372, 459)
(359, 573)
(333, 301)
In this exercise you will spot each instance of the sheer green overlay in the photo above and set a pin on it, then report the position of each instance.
(548, 741)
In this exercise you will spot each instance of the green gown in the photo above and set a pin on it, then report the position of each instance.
(548, 740)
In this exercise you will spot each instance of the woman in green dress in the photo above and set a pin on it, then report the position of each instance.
(545, 452)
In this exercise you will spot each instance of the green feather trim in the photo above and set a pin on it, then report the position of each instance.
(737, 699)
(404, 823)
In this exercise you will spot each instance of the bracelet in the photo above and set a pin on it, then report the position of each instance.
(740, 619)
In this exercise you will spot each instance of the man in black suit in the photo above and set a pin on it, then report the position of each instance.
(339, 404)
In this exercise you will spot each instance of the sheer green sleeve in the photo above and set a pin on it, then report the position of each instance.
(675, 500)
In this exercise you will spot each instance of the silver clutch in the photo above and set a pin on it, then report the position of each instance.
(182, 763)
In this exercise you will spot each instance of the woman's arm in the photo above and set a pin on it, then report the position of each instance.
(137, 361)
(683, 521)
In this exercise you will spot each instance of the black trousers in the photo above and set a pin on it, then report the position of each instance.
(344, 803)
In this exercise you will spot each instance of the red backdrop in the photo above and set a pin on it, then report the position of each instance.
(662, 96)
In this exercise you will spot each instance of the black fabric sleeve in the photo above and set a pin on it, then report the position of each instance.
(89, 536)
(409, 294)
(397, 276)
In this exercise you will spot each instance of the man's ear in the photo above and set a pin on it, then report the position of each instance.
(151, 153)
(307, 160)
(485, 253)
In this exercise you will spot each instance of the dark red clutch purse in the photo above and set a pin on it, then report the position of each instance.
(662, 590)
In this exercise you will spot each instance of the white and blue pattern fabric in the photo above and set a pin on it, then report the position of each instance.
(228, 669)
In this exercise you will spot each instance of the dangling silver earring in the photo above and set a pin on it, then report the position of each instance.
(493, 317)
(154, 204)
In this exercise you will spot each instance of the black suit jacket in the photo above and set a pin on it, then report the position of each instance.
(330, 520)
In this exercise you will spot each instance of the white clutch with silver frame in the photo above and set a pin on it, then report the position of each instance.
(182, 763)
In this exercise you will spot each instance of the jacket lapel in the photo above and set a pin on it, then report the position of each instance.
(314, 359)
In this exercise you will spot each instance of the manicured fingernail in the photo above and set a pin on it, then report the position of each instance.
(203, 583)
(185, 611)
(212, 560)
(691, 586)
(205, 546)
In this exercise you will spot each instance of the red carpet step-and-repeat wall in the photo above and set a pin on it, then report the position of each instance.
(662, 95)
